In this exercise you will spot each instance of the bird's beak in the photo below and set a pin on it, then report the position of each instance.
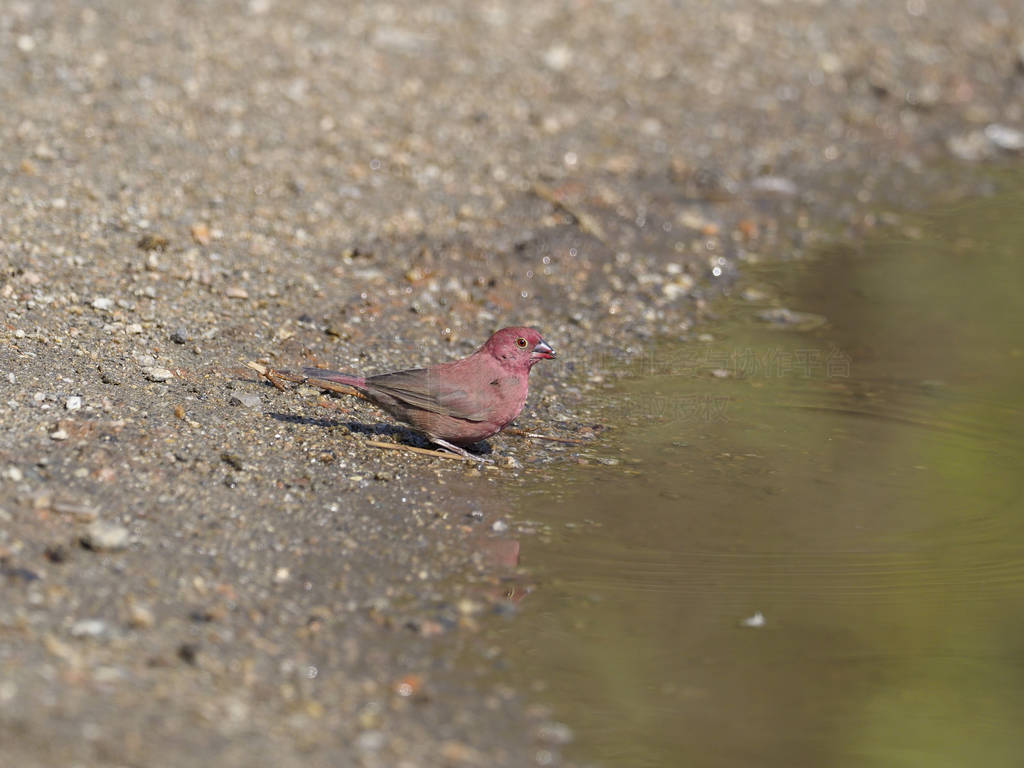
(542, 351)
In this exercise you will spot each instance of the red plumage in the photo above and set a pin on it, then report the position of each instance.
(460, 402)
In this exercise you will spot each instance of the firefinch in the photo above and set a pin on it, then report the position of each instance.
(460, 402)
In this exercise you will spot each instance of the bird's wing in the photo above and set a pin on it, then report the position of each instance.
(425, 388)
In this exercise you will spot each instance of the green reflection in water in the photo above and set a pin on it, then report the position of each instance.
(859, 485)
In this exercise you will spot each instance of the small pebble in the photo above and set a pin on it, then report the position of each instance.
(248, 400)
(755, 621)
(56, 553)
(141, 617)
(102, 536)
(468, 607)
(680, 286)
(103, 304)
(88, 628)
(60, 434)
(107, 674)
(970, 146)
(158, 374)
(499, 526)
(153, 242)
(558, 57)
(370, 741)
(1006, 138)
(73, 403)
(179, 336)
(553, 732)
(776, 185)
(754, 294)
(189, 653)
(201, 233)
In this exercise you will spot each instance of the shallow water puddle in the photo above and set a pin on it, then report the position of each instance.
(811, 549)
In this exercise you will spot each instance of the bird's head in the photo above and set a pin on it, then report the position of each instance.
(519, 347)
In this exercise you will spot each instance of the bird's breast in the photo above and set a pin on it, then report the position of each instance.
(507, 382)
(509, 396)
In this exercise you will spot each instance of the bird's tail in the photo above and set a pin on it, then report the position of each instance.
(356, 382)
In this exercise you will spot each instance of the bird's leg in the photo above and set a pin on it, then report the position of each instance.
(456, 449)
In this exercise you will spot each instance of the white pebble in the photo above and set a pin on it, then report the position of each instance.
(1005, 137)
(757, 620)
(105, 536)
(158, 374)
(370, 741)
(73, 403)
(558, 57)
(88, 628)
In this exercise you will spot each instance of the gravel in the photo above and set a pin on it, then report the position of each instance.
(376, 187)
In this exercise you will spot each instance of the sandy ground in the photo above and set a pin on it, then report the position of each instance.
(196, 568)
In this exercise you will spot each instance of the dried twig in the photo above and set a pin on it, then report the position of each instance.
(423, 451)
(271, 374)
(538, 436)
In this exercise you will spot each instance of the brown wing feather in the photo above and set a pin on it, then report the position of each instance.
(423, 388)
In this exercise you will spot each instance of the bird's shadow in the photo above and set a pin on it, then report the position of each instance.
(381, 428)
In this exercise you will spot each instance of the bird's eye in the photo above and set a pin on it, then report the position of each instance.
(521, 342)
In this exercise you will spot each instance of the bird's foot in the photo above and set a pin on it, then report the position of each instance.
(460, 451)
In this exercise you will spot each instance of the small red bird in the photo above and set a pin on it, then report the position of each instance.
(461, 402)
